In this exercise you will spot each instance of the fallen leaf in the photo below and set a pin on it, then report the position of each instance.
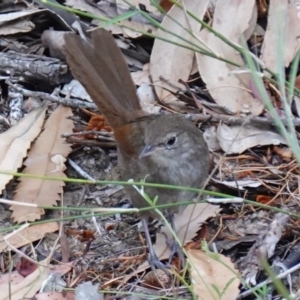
(137, 22)
(187, 223)
(27, 235)
(228, 89)
(284, 152)
(147, 99)
(167, 59)
(213, 278)
(282, 29)
(21, 286)
(76, 90)
(45, 159)
(140, 77)
(237, 139)
(15, 142)
(28, 286)
(263, 248)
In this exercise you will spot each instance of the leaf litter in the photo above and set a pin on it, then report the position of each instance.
(248, 161)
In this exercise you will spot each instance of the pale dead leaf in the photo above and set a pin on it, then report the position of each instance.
(147, 99)
(59, 162)
(252, 25)
(140, 77)
(289, 13)
(211, 138)
(15, 142)
(170, 61)
(207, 272)
(237, 139)
(16, 22)
(27, 287)
(228, 89)
(76, 89)
(27, 235)
(48, 145)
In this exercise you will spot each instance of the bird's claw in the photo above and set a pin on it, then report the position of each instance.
(175, 248)
(155, 263)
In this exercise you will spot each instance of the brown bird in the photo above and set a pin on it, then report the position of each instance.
(164, 149)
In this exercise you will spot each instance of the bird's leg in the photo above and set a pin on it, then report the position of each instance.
(174, 246)
(153, 259)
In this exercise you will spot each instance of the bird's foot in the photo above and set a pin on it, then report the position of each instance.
(155, 263)
(176, 248)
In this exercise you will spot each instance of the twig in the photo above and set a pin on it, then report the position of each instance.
(279, 276)
(231, 120)
(74, 103)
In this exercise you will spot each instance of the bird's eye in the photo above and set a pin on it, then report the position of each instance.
(171, 141)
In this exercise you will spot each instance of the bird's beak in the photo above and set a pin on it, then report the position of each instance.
(148, 149)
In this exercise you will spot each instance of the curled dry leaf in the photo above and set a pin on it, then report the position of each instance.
(168, 61)
(213, 277)
(228, 88)
(15, 142)
(44, 159)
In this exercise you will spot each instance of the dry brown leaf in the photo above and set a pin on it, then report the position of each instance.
(187, 223)
(28, 286)
(27, 235)
(288, 12)
(228, 90)
(46, 158)
(168, 60)
(208, 274)
(15, 142)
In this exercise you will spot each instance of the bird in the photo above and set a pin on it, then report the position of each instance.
(162, 148)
